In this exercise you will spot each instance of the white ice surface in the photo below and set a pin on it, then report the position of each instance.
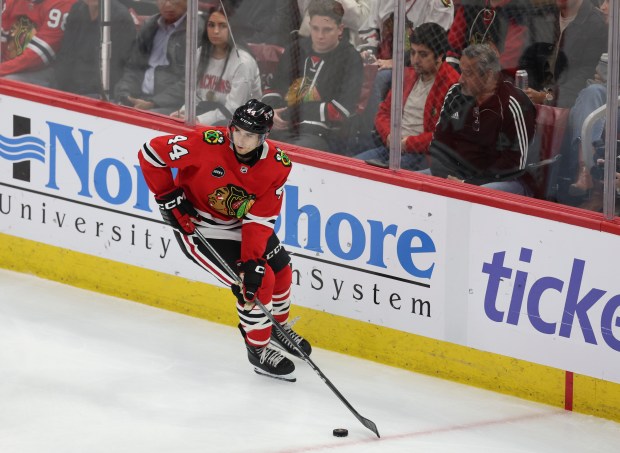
(81, 372)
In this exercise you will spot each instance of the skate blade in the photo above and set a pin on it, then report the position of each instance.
(285, 377)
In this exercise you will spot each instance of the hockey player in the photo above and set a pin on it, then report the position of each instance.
(32, 32)
(229, 185)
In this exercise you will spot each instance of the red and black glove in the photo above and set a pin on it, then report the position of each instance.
(251, 273)
(177, 211)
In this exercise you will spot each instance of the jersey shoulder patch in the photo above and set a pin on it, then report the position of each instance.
(282, 157)
(213, 137)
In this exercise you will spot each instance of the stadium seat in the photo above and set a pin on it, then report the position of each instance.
(267, 57)
(370, 72)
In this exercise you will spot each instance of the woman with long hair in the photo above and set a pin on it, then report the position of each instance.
(227, 75)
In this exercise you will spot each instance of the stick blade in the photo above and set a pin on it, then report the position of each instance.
(370, 425)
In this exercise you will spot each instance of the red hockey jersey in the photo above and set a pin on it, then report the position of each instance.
(230, 196)
(32, 32)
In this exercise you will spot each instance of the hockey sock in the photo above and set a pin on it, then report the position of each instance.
(282, 294)
(255, 324)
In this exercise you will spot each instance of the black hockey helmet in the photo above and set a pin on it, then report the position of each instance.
(253, 116)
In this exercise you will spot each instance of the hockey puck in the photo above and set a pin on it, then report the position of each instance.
(341, 432)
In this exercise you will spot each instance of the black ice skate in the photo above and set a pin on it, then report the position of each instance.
(270, 362)
(280, 341)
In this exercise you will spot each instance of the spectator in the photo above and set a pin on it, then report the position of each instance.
(355, 14)
(376, 37)
(559, 70)
(504, 24)
(227, 75)
(154, 78)
(317, 84)
(588, 100)
(592, 196)
(77, 67)
(424, 88)
(32, 31)
(484, 127)
(264, 21)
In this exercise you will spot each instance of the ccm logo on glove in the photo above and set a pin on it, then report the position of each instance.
(177, 211)
(251, 273)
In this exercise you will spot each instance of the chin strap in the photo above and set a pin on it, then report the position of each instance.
(250, 158)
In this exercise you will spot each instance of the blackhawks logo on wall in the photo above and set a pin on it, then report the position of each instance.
(231, 200)
(213, 137)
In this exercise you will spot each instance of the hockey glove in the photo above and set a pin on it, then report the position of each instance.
(237, 291)
(251, 273)
(177, 211)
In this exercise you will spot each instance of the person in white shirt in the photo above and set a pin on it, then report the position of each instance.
(227, 75)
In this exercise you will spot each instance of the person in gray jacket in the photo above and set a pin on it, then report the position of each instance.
(559, 70)
(154, 78)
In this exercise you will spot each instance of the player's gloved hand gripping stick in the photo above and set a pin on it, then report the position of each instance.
(306, 358)
(177, 211)
(251, 273)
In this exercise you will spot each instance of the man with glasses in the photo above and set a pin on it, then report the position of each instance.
(484, 128)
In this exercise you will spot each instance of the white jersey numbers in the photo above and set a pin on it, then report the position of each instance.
(177, 139)
(177, 150)
(56, 18)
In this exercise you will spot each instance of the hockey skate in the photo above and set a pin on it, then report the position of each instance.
(268, 361)
(281, 342)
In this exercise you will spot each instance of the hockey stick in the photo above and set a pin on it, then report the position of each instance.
(306, 358)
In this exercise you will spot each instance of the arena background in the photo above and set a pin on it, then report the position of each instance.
(73, 209)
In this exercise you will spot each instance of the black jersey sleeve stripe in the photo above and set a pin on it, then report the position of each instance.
(42, 49)
(151, 156)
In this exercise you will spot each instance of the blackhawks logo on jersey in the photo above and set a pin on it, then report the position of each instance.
(231, 200)
(282, 157)
(19, 36)
(213, 137)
